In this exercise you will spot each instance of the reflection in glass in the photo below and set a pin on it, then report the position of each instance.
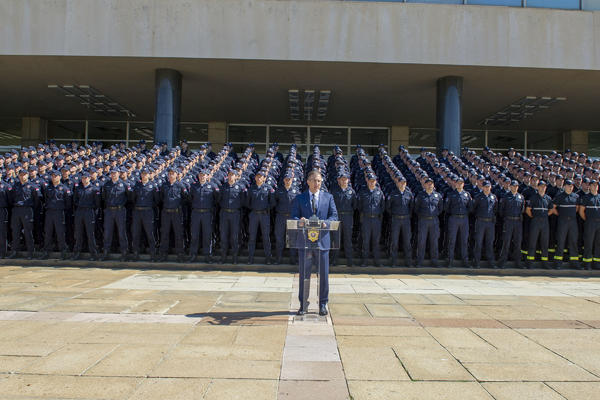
(247, 133)
(591, 5)
(503, 140)
(539, 140)
(513, 3)
(139, 131)
(107, 131)
(10, 131)
(565, 4)
(473, 139)
(323, 135)
(287, 134)
(368, 136)
(193, 133)
(66, 130)
(420, 137)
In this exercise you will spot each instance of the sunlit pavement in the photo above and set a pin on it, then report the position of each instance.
(89, 333)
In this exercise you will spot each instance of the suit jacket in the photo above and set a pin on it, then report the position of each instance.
(326, 211)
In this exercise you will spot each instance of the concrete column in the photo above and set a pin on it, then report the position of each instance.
(217, 134)
(578, 140)
(449, 113)
(398, 137)
(168, 106)
(33, 131)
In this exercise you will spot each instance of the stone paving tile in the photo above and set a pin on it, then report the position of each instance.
(372, 363)
(312, 370)
(445, 311)
(211, 335)
(461, 323)
(368, 390)
(63, 332)
(387, 310)
(228, 352)
(577, 390)
(370, 321)
(72, 359)
(545, 324)
(459, 338)
(592, 323)
(310, 390)
(238, 389)
(24, 349)
(171, 389)
(14, 364)
(528, 372)
(129, 360)
(56, 386)
(362, 330)
(521, 391)
(430, 362)
(214, 368)
(349, 310)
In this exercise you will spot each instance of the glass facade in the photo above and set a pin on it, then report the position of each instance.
(10, 132)
(558, 4)
(594, 144)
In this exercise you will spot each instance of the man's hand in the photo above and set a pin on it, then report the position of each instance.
(324, 225)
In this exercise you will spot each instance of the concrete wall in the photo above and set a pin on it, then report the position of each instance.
(303, 30)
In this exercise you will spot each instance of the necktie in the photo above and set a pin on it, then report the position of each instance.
(314, 203)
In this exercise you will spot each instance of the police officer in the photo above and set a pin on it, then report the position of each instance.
(231, 198)
(457, 206)
(57, 199)
(400, 204)
(371, 204)
(173, 194)
(484, 208)
(23, 198)
(284, 195)
(511, 208)
(4, 192)
(203, 196)
(429, 205)
(145, 197)
(589, 210)
(259, 200)
(87, 201)
(539, 207)
(565, 206)
(114, 196)
(346, 202)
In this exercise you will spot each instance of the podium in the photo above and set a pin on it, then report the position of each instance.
(311, 237)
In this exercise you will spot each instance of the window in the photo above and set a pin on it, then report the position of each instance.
(565, 4)
(591, 5)
(107, 131)
(473, 139)
(287, 134)
(58, 130)
(436, 1)
(324, 135)
(513, 3)
(195, 133)
(247, 134)
(10, 132)
(594, 144)
(139, 131)
(539, 140)
(422, 137)
(504, 140)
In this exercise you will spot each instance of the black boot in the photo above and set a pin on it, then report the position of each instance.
(123, 257)
(63, 255)
(45, 255)
(29, 255)
(208, 259)
(235, 259)
(135, 256)
(76, 256)
(250, 260)
(192, 258)
(93, 256)
(12, 254)
(104, 256)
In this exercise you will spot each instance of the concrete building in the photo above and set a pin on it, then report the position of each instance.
(306, 72)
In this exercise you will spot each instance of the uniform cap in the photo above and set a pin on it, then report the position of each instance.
(487, 183)
(568, 182)
(514, 183)
(542, 183)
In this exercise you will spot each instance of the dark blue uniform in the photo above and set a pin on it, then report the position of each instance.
(458, 206)
(231, 199)
(511, 210)
(346, 202)
(203, 199)
(371, 204)
(400, 205)
(145, 199)
(259, 201)
(114, 196)
(484, 209)
(87, 202)
(57, 199)
(4, 191)
(23, 198)
(566, 227)
(539, 227)
(591, 229)
(428, 207)
(172, 198)
(283, 210)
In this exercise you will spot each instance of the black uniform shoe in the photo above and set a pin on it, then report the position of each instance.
(13, 254)
(192, 258)
(104, 256)
(268, 261)
(223, 260)
(303, 311)
(180, 258)
(162, 258)
(277, 261)
(135, 256)
(208, 260)
(250, 260)
(76, 256)
(44, 256)
(64, 255)
(92, 257)
(123, 257)
(323, 309)
(235, 259)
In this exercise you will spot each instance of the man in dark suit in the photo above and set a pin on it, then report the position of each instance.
(319, 203)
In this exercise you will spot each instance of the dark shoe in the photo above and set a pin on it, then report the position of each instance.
(301, 311)
(223, 260)
(349, 263)
(13, 254)
(235, 259)
(76, 256)
(45, 255)
(104, 256)
(162, 258)
(323, 309)
(250, 260)
(192, 258)
(180, 258)
(63, 255)
(277, 261)
(29, 255)
(208, 259)
(92, 257)
(135, 256)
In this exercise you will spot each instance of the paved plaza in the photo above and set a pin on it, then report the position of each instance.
(89, 333)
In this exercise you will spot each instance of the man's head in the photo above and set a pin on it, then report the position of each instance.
(343, 181)
(514, 187)
(401, 183)
(428, 185)
(314, 181)
(23, 176)
(568, 186)
(594, 187)
(486, 187)
(232, 177)
(371, 182)
(55, 177)
(172, 174)
(459, 184)
(202, 176)
(260, 178)
(541, 188)
(114, 175)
